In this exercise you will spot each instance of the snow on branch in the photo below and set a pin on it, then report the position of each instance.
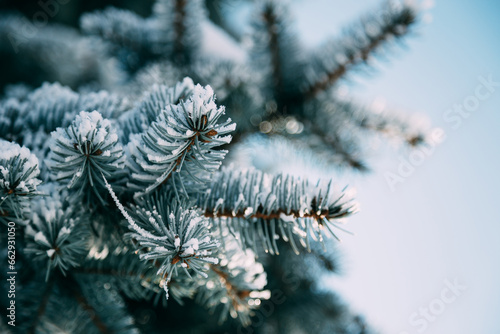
(84, 151)
(182, 139)
(262, 208)
(176, 238)
(18, 181)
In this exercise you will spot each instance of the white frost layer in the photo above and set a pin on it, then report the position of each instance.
(91, 123)
(9, 150)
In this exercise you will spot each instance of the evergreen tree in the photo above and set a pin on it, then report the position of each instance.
(112, 140)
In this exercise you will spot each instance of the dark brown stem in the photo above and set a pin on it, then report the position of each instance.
(179, 28)
(85, 305)
(265, 216)
(43, 306)
(336, 144)
(178, 161)
(352, 59)
(234, 293)
(271, 25)
(227, 213)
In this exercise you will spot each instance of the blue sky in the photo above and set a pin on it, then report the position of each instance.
(443, 222)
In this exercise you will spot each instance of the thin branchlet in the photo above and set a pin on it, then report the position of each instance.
(91, 311)
(396, 26)
(179, 27)
(270, 18)
(42, 306)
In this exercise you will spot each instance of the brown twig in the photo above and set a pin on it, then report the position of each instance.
(354, 58)
(42, 306)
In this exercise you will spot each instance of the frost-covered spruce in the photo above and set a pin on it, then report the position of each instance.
(180, 26)
(172, 237)
(18, 181)
(263, 208)
(84, 152)
(156, 99)
(131, 37)
(236, 86)
(181, 142)
(50, 106)
(235, 282)
(56, 237)
(10, 118)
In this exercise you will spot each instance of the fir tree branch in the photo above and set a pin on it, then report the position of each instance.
(125, 271)
(121, 27)
(171, 236)
(270, 21)
(52, 53)
(276, 54)
(388, 124)
(275, 214)
(72, 286)
(159, 97)
(339, 125)
(181, 140)
(19, 180)
(345, 150)
(180, 21)
(394, 22)
(234, 293)
(234, 281)
(82, 152)
(179, 28)
(42, 306)
(204, 246)
(57, 238)
(133, 40)
(262, 207)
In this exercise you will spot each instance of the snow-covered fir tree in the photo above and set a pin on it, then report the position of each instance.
(127, 175)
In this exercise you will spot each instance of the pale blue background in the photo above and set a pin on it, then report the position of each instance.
(443, 222)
